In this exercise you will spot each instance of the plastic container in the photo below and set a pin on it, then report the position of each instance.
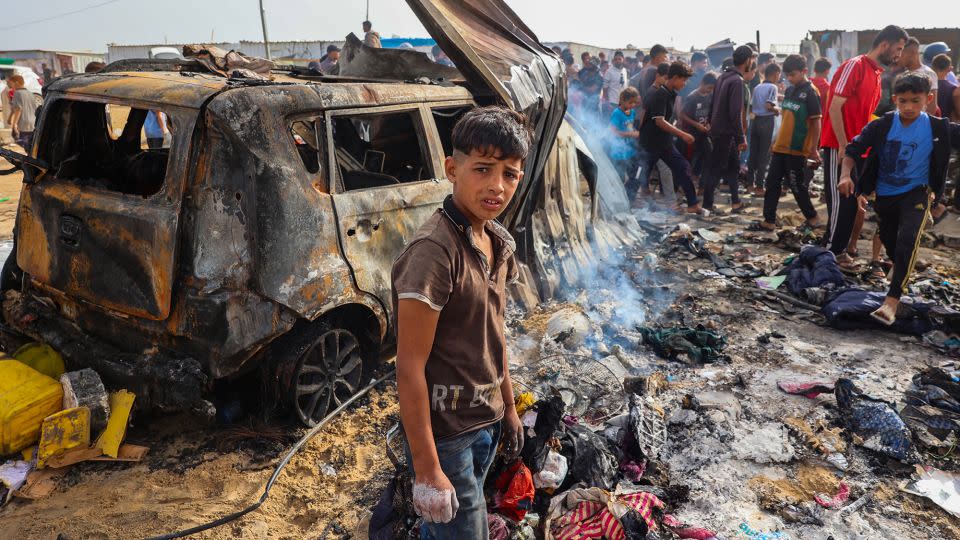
(26, 398)
(42, 358)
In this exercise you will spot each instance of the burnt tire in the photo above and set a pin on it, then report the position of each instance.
(327, 372)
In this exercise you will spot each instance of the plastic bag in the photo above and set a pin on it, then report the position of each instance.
(514, 491)
(553, 473)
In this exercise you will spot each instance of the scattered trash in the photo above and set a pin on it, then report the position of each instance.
(589, 459)
(809, 389)
(837, 500)
(121, 403)
(63, 431)
(596, 513)
(706, 234)
(770, 282)
(699, 344)
(26, 398)
(85, 389)
(514, 491)
(553, 473)
(42, 358)
(327, 470)
(874, 421)
(13, 474)
(814, 267)
(941, 487)
(755, 535)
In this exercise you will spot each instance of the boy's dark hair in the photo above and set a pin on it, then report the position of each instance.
(698, 57)
(771, 70)
(912, 42)
(726, 64)
(890, 34)
(627, 93)
(708, 79)
(618, 53)
(822, 64)
(493, 131)
(646, 59)
(678, 69)
(742, 55)
(795, 62)
(663, 69)
(912, 82)
(657, 50)
(941, 62)
(584, 53)
(765, 57)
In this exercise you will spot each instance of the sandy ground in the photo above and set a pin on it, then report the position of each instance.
(741, 465)
(10, 194)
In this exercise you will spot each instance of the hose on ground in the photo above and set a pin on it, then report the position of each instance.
(276, 472)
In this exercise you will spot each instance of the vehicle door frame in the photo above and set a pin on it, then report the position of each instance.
(434, 154)
(181, 166)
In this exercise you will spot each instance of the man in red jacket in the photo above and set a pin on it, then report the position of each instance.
(854, 94)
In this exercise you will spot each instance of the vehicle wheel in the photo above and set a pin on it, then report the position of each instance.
(327, 373)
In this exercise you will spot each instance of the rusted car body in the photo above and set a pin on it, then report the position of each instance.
(262, 233)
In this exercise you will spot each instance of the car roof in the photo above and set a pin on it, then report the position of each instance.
(192, 90)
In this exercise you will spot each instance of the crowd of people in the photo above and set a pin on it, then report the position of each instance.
(885, 124)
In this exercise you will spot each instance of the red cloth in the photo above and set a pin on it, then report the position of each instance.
(823, 88)
(857, 80)
(806, 389)
(594, 520)
(514, 495)
(837, 500)
(687, 531)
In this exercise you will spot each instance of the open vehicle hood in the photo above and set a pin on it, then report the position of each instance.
(503, 61)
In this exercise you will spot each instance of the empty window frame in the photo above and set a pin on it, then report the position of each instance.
(306, 140)
(105, 146)
(445, 118)
(380, 149)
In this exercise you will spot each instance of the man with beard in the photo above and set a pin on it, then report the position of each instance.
(854, 95)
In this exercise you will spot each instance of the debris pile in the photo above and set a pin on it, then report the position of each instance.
(55, 419)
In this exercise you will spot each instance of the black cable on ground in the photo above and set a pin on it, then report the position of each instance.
(276, 473)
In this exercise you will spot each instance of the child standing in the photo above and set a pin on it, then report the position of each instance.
(695, 120)
(623, 141)
(657, 132)
(797, 141)
(820, 80)
(449, 296)
(765, 111)
(907, 167)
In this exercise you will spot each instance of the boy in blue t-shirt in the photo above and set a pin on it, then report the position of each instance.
(623, 142)
(907, 167)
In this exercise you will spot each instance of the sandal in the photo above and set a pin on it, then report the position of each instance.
(758, 226)
(882, 319)
(739, 209)
(876, 270)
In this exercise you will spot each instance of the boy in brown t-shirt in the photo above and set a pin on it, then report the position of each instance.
(449, 293)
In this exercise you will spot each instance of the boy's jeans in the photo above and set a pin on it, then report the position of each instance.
(465, 459)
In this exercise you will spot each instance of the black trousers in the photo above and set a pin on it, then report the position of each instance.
(761, 138)
(841, 211)
(722, 162)
(678, 165)
(695, 153)
(901, 219)
(793, 169)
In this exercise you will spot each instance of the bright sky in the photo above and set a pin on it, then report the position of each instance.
(91, 24)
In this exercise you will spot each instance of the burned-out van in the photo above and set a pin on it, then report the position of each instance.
(260, 231)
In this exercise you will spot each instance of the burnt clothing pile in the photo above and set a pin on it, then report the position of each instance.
(815, 267)
(875, 422)
(932, 408)
(698, 344)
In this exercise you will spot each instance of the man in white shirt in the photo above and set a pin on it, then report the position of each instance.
(614, 81)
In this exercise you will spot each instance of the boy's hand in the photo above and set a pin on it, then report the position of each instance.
(845, 187)
(434, 498)
(704, 128)
(512, 433)
(815, 156)
(742, 146)
(687, 138)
